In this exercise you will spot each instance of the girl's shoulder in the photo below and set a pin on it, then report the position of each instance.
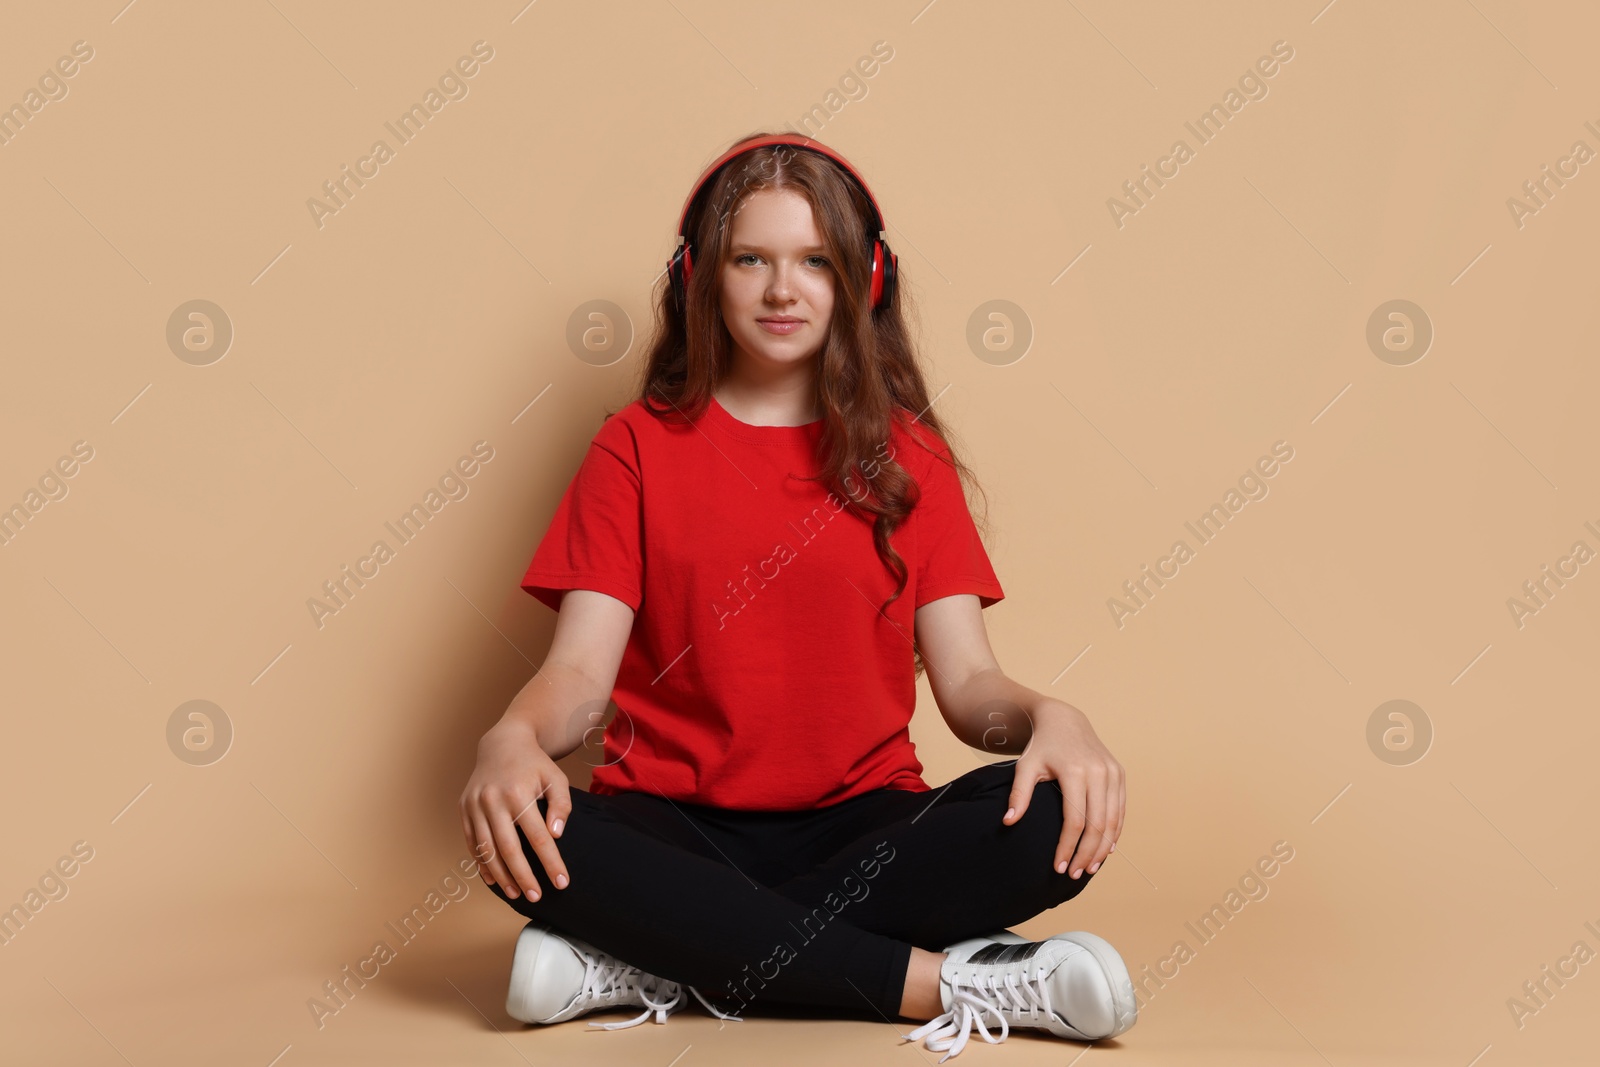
(639, 430)
(631, 426)
(923, 445)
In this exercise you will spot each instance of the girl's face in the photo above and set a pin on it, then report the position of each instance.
(777, 282)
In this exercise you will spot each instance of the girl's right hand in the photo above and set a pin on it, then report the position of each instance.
(512, 775)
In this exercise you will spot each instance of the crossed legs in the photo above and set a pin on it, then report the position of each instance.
(846, 907)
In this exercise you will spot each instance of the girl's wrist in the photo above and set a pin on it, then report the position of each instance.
(513, 727)
(1049, 711)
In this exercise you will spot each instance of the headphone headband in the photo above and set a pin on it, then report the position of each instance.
(751, 145)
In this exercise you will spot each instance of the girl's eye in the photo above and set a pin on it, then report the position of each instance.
(817, 261)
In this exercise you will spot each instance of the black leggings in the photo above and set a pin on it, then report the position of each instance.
(816, 907)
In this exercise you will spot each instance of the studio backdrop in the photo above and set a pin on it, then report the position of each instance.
(1266, 328)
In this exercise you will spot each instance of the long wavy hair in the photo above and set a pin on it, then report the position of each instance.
(868, 372)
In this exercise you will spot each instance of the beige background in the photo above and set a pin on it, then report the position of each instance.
(1228, 314)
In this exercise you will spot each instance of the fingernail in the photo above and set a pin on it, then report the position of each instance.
(1061, 868)
(561, 881)
(533, 894)
(1077, 872)
(512, 892)
(1093, 867)
(1010, 812)
(555, 827)
(1113, 846)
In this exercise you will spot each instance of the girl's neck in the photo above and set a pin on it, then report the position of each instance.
(775, 404)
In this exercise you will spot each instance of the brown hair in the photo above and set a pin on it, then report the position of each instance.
(868, 372)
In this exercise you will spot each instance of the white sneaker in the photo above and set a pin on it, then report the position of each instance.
(555, 978)
(1071, 985)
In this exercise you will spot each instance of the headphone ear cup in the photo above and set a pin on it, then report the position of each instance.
(875, 293)
(679, 269)
(885, 274)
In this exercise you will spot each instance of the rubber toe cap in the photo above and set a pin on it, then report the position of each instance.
(546, 976)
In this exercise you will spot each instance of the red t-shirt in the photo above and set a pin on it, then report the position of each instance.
(759, 674)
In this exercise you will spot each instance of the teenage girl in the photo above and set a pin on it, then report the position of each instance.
(756, 559)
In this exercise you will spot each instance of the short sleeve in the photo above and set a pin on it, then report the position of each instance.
(595, 540)
(951, 558)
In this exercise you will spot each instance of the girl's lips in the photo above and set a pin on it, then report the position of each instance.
(780, 326)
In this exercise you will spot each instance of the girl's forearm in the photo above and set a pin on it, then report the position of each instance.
(995, 713)
(557, 707)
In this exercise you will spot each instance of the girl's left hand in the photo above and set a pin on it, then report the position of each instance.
(1065, 748)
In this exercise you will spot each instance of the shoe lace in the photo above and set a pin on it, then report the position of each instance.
(974, 996)
(606, 976)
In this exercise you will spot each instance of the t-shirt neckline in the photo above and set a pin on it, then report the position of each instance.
(722, 418)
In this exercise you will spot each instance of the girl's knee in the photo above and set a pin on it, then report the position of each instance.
(1045, 815)
(1042, 828)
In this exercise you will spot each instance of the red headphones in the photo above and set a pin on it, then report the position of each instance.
(884, 262)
